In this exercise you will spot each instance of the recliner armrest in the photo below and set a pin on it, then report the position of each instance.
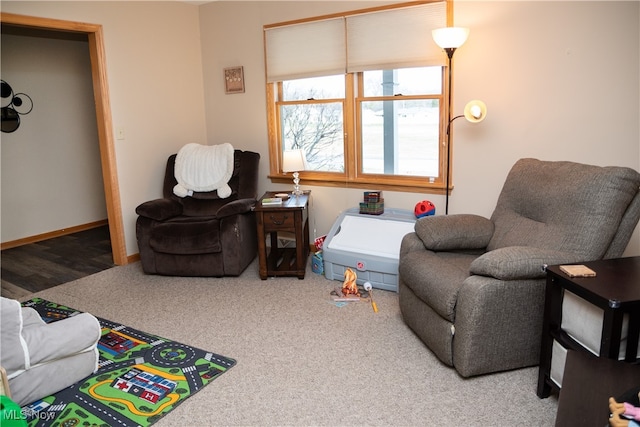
(410, 243)
(453, 232)
(236, 207)
(519, 262)
(159, 209)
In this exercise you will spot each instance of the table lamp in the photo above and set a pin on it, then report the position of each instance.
(294, 161)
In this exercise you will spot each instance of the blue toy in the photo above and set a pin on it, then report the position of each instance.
(424, 208)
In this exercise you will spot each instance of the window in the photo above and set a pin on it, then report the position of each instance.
(365, 105)
(399, 122)
(312, 118)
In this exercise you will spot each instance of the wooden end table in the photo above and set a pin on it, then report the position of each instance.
(291, 216)
(615, 289)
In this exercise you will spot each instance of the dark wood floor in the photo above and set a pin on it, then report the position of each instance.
(42, 265)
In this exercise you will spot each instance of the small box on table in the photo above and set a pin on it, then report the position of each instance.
(372, 208)
(372, 196)
(373, 203)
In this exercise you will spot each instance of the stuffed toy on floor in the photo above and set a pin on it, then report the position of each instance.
(626, 413)
(349, 286)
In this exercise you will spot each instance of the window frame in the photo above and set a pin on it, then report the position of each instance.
(404, 180)
(353, 177)
(278, 119)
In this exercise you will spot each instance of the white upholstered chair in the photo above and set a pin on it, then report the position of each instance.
(43, 358)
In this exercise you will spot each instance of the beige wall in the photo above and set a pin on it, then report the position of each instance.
(155, 80)
(560, 80)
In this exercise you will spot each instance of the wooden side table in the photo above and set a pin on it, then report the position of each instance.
(615, 289)
(291, 216)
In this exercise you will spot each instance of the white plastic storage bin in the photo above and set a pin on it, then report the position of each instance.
(369, 245)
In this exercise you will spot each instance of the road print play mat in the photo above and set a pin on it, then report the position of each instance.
(141, 377)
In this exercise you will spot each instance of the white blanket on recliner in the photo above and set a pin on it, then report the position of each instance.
(203, 168)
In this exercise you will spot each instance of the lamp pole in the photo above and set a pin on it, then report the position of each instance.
(449, 39)
(450, 51)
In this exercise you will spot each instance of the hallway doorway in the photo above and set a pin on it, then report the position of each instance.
(103, 116)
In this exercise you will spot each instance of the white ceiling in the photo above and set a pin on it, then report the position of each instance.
(197, 3)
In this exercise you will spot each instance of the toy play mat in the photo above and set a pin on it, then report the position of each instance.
(141, 377)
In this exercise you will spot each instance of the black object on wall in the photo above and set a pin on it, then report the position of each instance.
(14, 105)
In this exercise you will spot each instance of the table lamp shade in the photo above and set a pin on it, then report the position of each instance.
(293, 161)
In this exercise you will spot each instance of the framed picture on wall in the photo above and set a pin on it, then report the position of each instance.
(234, 80)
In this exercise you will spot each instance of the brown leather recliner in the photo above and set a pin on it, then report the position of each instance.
(202, 234)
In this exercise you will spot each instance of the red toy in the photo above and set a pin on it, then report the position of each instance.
(424, 208)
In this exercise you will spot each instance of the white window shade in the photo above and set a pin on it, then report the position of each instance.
(309, 49)
(375, 40)
(395, 38)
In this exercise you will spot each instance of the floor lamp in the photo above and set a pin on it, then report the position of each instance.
(449, 39)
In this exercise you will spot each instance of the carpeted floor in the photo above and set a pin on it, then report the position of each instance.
(301, 360)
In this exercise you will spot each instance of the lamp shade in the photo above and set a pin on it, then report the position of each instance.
(293, 161)
(475, 111)
(450, 37)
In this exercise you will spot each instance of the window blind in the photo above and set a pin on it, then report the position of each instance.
(383, 39)
(395, 38)
(309, 49)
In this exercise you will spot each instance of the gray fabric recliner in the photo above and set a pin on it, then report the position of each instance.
(41, 359)
(472, 288)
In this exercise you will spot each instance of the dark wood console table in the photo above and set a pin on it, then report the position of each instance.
(615, 289)
(292, 216)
